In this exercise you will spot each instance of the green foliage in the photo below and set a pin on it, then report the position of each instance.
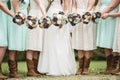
(20, 56)
(9, 4)
(97, 54)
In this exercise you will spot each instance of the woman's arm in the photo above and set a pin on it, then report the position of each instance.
(5, 9)
(106, 15)
(42, 8)
(90, 5)
(15, 4)
(66, 6)
(113, 4)
(74, 6)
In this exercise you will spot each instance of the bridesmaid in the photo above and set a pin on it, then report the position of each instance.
(17, 36)
(116, 45)
(3, 31)
(83, 36)
(34, 38)
(105, 34)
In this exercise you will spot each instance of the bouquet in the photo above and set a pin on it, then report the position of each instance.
(19, 18)
(95, 16)
(74, 19)
(86, 17)
(59, 19)
(44, 22)
(32, 22)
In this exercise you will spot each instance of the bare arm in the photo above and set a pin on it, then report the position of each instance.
(114, 14)
(42, 8)
(113, 4)
(15, 4)
(5, 9)
(74, 6)
(66, 6)
(106, 15)
(90, 5)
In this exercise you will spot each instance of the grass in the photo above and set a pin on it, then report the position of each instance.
(95, 68)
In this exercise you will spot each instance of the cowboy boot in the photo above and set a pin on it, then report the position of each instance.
(13, 69)
(114, 66)
(30, 67)
(86, 66)
(81, 65)
(109, 65)
(35, 66)
(117, 71)
(1, 75)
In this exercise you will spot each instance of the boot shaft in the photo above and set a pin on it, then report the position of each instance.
(30, 67)
(87, 62)
(115, 62)
(12, 66)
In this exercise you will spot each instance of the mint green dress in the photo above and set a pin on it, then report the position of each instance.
(17, 34)
(106, 28)
(3, 26)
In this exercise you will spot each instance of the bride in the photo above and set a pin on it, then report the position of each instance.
(57, 57)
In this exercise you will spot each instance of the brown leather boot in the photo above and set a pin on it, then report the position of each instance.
(30, 67)
(109, 64)
(81, 65)
(86, 66)
(109, 68)
(13, 69)
(117, 70)
(1, 75)
(114, 65)
(35, 66)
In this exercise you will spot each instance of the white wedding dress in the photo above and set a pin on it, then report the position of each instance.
(57, 57)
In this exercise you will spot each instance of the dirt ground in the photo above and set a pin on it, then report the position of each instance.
(82, 77)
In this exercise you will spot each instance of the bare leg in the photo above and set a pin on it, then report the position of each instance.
(35, 55)
(108, 51)
(2, 53)
(29, 55)
(12, 55)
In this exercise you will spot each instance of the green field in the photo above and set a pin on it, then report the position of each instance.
(95, 68)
